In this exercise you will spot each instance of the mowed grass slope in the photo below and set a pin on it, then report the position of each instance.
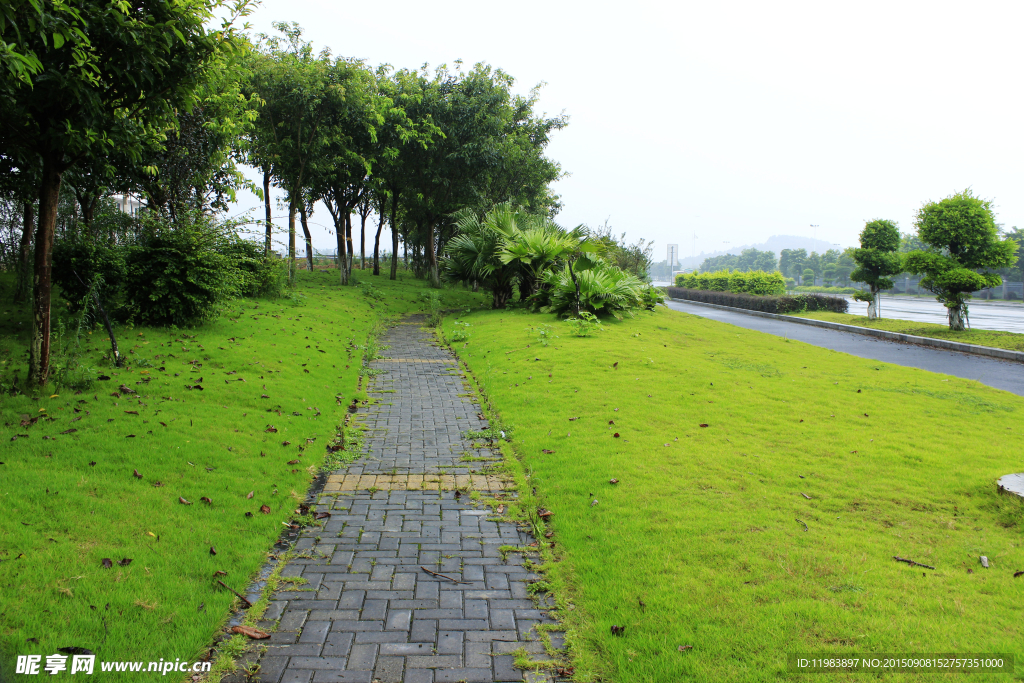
(726, 437)
(70, 497)
(1013, 341)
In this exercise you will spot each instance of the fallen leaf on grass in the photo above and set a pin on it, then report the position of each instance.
(286, 443)
(264, 396)
(74, 650)
(164, 424)
(135, 473)
(613, 481)
(573, 419)
(547, 451)
(103, 378)
(125, 562)
(249, 496)
(265, 509)
(1016, 574)
(92, 464)
(130, 436)
(684, 648)
(206, 500)
(618, 630)
(157, 484)
(544, 514)
(213, 551)
(107, 563)
(616, 435)
(132, 412)
(219, 573)
(501, 509)
(293, 462)
(253, 633)
(69, 431)
(248, 514)
(702, 424)
(183, 501)
(271, 429)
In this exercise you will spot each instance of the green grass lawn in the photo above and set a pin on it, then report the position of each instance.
(276, 377)
(721, 439)
(1000, 340)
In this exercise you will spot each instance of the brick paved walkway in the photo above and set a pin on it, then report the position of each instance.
(369, 612)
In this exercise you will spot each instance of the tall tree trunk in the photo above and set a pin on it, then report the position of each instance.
(308, 238)
(376, 244)
(348, 240)
(435, 281)
(49, 196)
(339, 232)
(266, 204)
(394, 235)
(362, 240)
(292, 210)
(25, 255)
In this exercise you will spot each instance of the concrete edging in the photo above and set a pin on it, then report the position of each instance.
(971, 349)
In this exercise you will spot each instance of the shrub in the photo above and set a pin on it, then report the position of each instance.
(767, 304)
(178, 276)
(603, 289)
(583, 325)
(78, 264)
(752, 282)
(257, 275)
(827, 290)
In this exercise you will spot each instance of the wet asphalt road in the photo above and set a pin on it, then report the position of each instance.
(1001, 374)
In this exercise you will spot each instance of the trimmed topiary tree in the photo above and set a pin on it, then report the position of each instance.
(877, 260)
(962, 238)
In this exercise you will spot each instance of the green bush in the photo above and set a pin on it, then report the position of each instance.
(79, 263)
(256, 274)
(767, 304)
(603, 289)
(827, 290)
(754, 282)
(177, 276)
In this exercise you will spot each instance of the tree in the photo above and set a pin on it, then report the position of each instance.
(877, 260)
(962, 238)
(807, 277)
(791, 261)
(755, 259)
(294, 126)
(90, 78)
(713, 264)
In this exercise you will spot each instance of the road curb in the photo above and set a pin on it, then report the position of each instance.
(971, 349)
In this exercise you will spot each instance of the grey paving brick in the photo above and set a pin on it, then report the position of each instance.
(464, 675)
(434, 662)
(389, 669)
(316, 663)
(363, 657)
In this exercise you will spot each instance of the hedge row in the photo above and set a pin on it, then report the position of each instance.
(826, 290)
(767, 304)
(753, 282)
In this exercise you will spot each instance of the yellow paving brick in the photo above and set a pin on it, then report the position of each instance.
(367, 480)
(462, 481)
(350, 484)
(332, 486)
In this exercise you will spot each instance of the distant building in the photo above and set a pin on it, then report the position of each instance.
(128, 204)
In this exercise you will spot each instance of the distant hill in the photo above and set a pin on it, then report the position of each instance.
(775, 243)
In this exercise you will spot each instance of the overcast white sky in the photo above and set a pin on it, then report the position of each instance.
(733, 121)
